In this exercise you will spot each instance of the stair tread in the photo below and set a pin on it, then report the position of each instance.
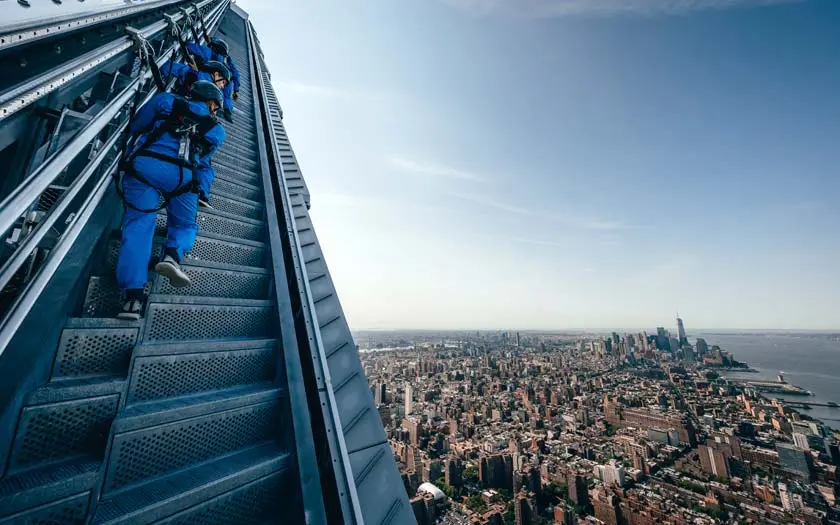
(155, 349)
(238, 181)
(219, 213)
(179, 490)
(75, 388)
(164, 411)
(199, 300)
(44, 484)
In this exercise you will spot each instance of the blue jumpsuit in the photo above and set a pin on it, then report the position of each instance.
(183, 73)
(206, 54)
(138, 227)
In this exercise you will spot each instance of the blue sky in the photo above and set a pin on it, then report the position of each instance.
(568, 163)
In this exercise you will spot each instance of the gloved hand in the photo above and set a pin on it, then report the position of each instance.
(228, 114)
(236, 95)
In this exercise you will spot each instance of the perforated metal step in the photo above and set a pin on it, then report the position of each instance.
(175, 318)
(221, 223)
(62, 421)
(169, 370)
(146, 453)
(235, 189)
(56, 494)
(90, 352)
(178, 494)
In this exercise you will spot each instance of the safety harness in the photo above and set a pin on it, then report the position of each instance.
(190, 130)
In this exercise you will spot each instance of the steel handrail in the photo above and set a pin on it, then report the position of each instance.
(338, 430)
(38, 27)
(19, 97)
(23, 304)
(22, 252)
(22, 197)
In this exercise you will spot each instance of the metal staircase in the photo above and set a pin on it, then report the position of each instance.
(239, 399)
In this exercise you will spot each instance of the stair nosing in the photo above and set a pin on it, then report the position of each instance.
(74, 389)
(40, 494)
(226, 215)
(167, 411)
(244, 185)
(180, 347)
(213, 265)
(232, 240)
(200, 300)
(269, 459)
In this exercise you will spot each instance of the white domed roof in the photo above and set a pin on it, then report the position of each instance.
(431, 489)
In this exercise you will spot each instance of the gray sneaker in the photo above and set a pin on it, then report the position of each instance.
(170, 268)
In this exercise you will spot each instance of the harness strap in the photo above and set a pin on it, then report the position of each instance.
(165, 158)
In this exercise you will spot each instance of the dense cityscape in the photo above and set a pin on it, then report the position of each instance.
(514, 428)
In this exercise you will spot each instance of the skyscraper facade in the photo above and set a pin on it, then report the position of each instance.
(681, 332)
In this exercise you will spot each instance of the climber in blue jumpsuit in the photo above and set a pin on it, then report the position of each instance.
(218, 50)
(174, 140)
(212, 71)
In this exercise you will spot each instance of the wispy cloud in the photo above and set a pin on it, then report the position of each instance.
(559, 8)
(569, 220)
(541, 242)
(433, 170)
(493, 203)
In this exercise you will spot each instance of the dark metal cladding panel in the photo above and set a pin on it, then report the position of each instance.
(381, 493)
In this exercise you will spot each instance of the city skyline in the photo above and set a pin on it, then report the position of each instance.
(555, 167)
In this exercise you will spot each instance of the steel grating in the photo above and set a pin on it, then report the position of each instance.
(58, 430)
(154, 451)
(214, 282)
(172, 322)
(103, 297)
(216, 250)
(167, 376)
(68, 511)
(235, 207)
(96, 351)
(253, 503)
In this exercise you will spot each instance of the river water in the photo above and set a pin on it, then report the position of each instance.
(812, 362)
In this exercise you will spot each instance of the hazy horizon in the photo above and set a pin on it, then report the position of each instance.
(561, 162)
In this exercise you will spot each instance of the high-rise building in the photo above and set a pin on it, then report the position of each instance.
(683, 340)
(408, 405)
(790, 502)
(380, 394)
(564, 515)
(453, 472)
(662, 339)
(614, 475)
(702, 347)
(525, 508)
(578, 489)
(794, 460)
(801, 441)
(412, 424)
